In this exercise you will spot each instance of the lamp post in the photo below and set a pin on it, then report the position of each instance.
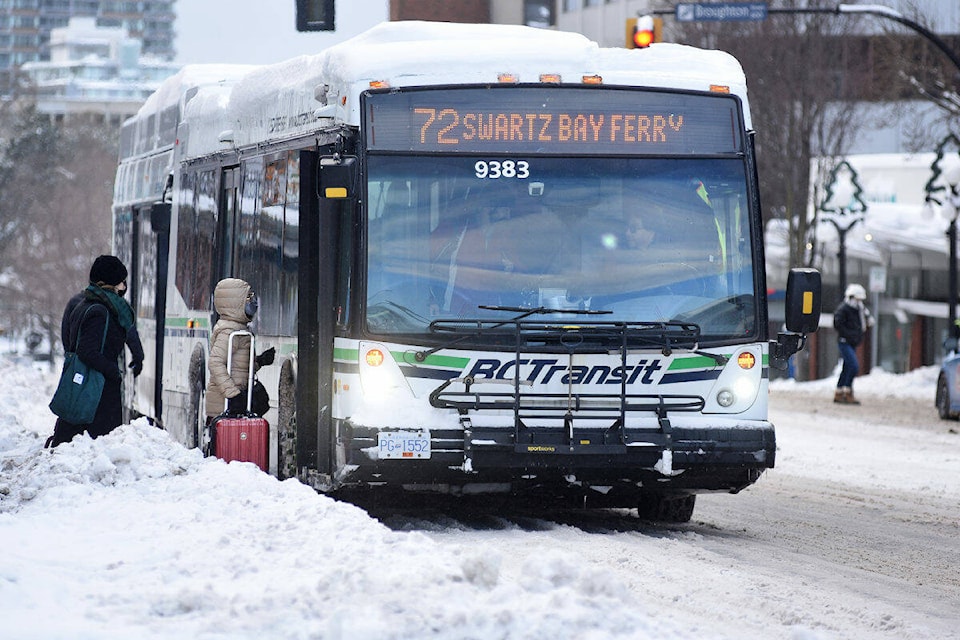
(843, 207)
(946, 178)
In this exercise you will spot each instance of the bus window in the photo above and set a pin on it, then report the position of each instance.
(268, 241)
(203, 277)
(186, 236)
(229, 201)
(291, 247)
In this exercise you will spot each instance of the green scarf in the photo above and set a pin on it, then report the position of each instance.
(118, 307)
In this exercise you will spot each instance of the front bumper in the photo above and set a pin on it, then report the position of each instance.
(686, 458)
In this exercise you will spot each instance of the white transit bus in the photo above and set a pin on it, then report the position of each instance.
(492, 259)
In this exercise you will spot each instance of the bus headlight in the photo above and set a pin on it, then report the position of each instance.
(743, 387)
(738, 385)
(725, 398)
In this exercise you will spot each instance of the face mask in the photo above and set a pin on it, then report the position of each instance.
(250, 308)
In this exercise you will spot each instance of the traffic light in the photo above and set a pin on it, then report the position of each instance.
(315, 15)
(643, 31)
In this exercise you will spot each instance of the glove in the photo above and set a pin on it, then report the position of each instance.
(237, 405)
(266, 358)
(136, 366)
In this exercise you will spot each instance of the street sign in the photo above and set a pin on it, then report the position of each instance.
(721, 11)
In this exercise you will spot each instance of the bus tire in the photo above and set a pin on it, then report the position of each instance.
(198, 411)
(943, 400)
(659, 507)
(287, 422)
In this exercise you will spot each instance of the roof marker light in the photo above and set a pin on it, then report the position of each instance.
(508, 78)
(719, 88)
(379, 84)
(552, 78)
(592, 79)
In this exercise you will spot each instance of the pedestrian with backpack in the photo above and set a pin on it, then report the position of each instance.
(97, 327)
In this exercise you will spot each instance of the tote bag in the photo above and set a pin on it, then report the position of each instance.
(78, 393)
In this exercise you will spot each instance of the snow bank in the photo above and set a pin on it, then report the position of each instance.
(131, 535)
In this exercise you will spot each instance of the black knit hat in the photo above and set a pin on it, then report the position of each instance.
(108, 270)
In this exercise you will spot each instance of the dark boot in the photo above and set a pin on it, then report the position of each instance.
(849, 396)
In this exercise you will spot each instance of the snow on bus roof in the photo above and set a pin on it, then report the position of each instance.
(404, 50)
(412, 53)
(282, 98)
(173, 89)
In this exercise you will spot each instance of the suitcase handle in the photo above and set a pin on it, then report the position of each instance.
(253, 343)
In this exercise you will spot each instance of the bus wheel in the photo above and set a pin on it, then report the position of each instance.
(287, 423)
(198, 412)
(666, 508)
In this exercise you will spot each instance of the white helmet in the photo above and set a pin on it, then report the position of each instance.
(855, 291)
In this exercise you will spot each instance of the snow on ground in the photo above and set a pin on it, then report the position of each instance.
(863, 449)
(133, 536)
(917, 384)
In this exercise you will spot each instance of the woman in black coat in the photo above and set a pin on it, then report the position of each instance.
(98, 327)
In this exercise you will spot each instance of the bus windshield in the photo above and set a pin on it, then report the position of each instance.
(645, 239)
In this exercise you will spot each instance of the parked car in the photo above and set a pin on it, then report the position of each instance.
(948, 384)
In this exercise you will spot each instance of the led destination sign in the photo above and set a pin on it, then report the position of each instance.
(552, 120)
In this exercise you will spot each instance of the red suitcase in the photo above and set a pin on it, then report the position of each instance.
(245, 438)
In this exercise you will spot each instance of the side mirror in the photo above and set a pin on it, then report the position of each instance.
(337, 177)
(802, 307)
(802, 314)
(160, 217)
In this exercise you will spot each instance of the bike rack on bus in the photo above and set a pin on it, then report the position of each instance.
(571, 339)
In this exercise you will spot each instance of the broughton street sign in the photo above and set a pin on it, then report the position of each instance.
(721, 11)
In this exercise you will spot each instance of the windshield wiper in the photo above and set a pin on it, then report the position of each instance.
(528, 311)
(525, 312)
(650, 334)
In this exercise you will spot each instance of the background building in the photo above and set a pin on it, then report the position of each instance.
(26, 26)
(94, 72)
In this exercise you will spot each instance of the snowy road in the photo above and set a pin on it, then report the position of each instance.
(813, 546)
(853, 535)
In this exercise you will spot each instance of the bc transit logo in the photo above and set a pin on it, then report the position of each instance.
(545, 371)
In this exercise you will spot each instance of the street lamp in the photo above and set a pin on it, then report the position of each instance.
(946, 177)
(843, 207)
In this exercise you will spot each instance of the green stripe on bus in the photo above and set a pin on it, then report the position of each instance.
(406, 357)
(434, 360)
(693, 362)
(350, 355)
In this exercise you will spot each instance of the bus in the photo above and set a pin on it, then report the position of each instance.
(491, 259)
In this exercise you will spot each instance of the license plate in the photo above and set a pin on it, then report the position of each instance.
(404, 445)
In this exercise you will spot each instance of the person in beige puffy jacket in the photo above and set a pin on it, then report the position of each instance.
(236, 303)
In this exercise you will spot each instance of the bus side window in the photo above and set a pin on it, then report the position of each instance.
(206, 215)
(290, 253)
(186, 235)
